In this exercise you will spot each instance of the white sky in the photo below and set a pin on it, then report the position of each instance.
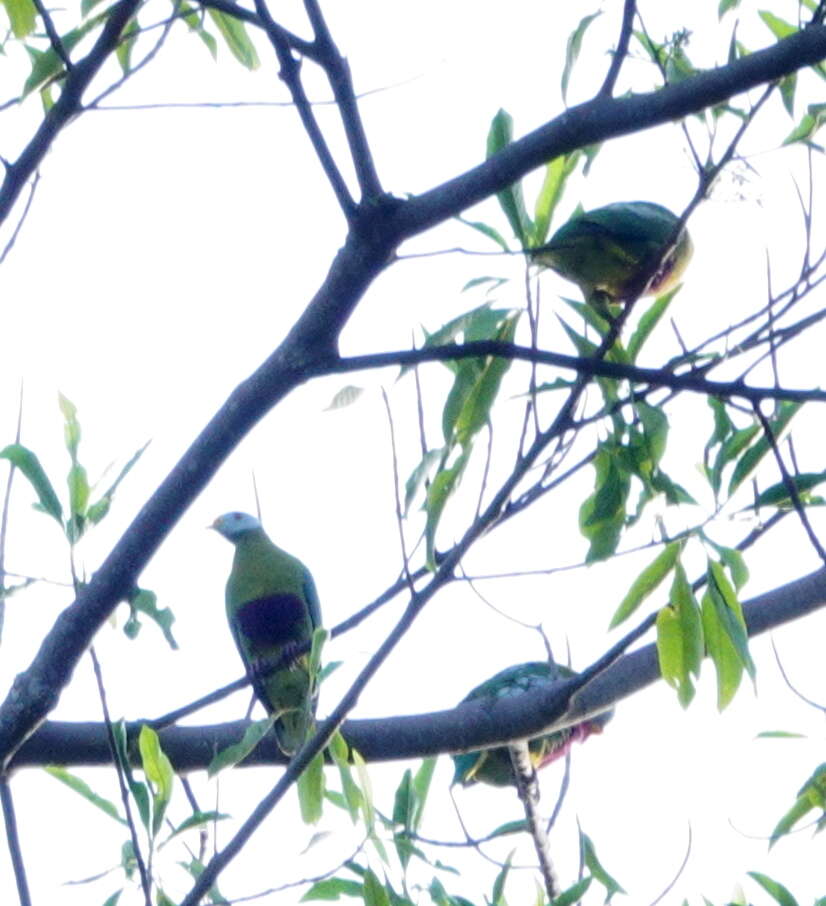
(169, 251)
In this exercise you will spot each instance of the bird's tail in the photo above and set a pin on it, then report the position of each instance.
(292, 728)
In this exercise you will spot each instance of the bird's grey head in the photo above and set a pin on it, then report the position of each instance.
(233, 525)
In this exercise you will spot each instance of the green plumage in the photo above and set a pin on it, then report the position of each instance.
(493, 766)
(607, 251)
(272, 605)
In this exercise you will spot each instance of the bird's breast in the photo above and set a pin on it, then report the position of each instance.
(273, 620)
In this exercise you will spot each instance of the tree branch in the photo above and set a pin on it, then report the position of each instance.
(467, 727)
(655, 377)
(290, 74)
(66, 106)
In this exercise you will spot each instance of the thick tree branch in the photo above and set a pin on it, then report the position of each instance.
(603, 118)
(469, 726)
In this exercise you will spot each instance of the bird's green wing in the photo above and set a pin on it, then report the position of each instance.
(493, 766)
(606, 251)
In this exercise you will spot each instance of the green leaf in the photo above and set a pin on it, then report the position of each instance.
(680, 638)
(597, 870)
(352, 799)
(123, 52)
(775, 889)
(159, 773)
(498, 892)
(234, 32)
(22, 16)
(573, 48)
(442, 486)
(46, 64)
(403, 801)
(779, 734)
(573, 894)
(26, 461)
(725, 634)
(812, 795)
(139, 790)
(141, 600)
(778, 27)
(310, 787)
(788, 87)
(78, 484)
(82, 788)
(808, 126)
(333, 889)
(238, 751)
(486, 230)
(366, 790)
(345, 397)
(373, 890)
(197, 820)
(649, 320)
(584, 347)
(647, 582)
(725, 6)
(749, 460)
(733, 560)
(510, 199)
(98, 510)
(654, 427)
(602, 515)
(557, 172)
(421, 788)
(474, 413)
(508, 828)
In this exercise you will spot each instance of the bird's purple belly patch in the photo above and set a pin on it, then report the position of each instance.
(273, 620)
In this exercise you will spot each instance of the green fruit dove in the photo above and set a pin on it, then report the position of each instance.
(493, 766)
(609, 250)
(272, 606)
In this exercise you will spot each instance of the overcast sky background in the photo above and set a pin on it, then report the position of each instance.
(169, 251)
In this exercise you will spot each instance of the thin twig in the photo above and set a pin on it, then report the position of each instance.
(618, 57)
(119, 770)
(51, 31)
(4, 516)
(290, 74)
(19, 225)
(340, 79)
(399, 515)
(809, 701)
(150, 55)
(789, 483)
(13, 840)
(678, 875)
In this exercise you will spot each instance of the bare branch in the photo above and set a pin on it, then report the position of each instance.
(618, 57)
(290, 74)
(13, 839)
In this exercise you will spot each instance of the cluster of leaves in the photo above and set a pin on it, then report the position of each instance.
(47, 57)
(398, 888)
(151, 797)
(83, 513)
(672, 60)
